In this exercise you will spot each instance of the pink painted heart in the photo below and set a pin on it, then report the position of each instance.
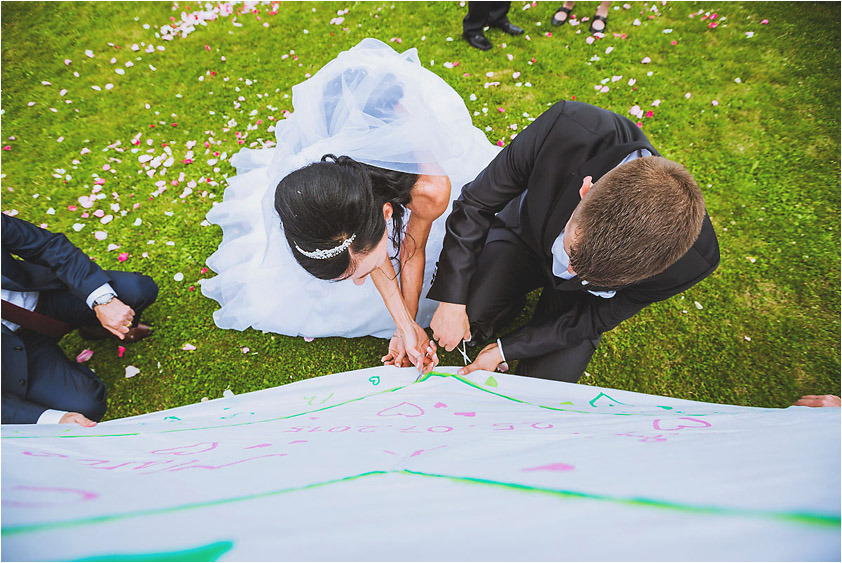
(471, 414)
(550, 467)
(440, 406)
(403, 409)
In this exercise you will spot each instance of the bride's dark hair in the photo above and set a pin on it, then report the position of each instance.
(324, 203)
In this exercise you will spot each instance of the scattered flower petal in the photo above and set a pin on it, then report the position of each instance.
(84, 355)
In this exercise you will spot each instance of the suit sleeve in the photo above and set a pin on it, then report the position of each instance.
(19, 411)
(504, 179)
(54, 251)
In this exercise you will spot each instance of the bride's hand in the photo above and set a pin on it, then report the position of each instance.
(397, 353)
(419, 348)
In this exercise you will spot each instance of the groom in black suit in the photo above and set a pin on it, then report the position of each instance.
(581, 205)
(54, 289)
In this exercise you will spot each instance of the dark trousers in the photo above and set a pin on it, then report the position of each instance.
(57, 382)
(481, 14)
(506, 271)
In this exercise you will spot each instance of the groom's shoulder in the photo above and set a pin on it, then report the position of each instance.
(582, 124)
(588, 116)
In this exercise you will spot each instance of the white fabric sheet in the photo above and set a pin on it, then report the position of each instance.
(371, 465)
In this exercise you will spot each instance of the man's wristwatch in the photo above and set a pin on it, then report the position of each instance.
(104, 299)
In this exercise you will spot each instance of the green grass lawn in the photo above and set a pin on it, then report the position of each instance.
(750, 106)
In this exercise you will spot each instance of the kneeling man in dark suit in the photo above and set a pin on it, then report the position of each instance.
(56, 288)
(581, 205)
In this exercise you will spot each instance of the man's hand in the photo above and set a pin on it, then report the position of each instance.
(450, 325)
(80, 419)
(488, 359)
(818, 401)
(115, 316)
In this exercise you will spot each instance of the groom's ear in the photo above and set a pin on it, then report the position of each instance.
(387, 211)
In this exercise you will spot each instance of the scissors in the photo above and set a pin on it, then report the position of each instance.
(465, 358)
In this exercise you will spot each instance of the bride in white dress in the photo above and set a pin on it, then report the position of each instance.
(369, 221)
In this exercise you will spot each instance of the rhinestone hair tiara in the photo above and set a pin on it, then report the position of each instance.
(330, 252)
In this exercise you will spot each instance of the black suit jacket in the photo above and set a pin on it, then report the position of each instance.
(532, 188)
(50, 261)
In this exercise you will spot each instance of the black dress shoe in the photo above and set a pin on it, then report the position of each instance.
(478, 40)
(509, 27)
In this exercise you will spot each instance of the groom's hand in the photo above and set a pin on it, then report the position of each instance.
(450, 325)
(115, 316)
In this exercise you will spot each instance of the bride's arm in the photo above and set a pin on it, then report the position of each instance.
(430, 198)
(413, 339)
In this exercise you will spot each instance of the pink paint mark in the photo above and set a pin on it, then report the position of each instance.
(33, 497)
(469, 414)
(409, 410)
(419, 452)
(188, 450)
(299, 441)
(388, 452)
(440, 406)
(95, 462)
(550, 467)
(225, 464)
(656, 438)
(258, 446)
(43, 454)
(701, 424)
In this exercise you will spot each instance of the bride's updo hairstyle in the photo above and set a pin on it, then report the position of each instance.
(325, 203)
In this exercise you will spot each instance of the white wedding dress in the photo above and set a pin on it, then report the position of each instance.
(378, 107)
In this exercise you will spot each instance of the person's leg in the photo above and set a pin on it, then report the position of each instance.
(498, 14)
(506, 272)
(563, 14)
(476, 18)
(134, 289)
(58, 383)
(600, 19)
(563, 365)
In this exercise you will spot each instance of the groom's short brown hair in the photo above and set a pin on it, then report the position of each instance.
(635, 222)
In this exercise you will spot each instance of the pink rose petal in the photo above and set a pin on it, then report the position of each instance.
(84, 355)
(120, 351)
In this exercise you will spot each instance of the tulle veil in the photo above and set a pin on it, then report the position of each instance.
(378, 107)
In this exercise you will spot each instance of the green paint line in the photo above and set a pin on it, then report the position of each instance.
(106, 518)
(210, 552)
(392, 390)
(804, 518)
(246, 423)
(815, 519)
